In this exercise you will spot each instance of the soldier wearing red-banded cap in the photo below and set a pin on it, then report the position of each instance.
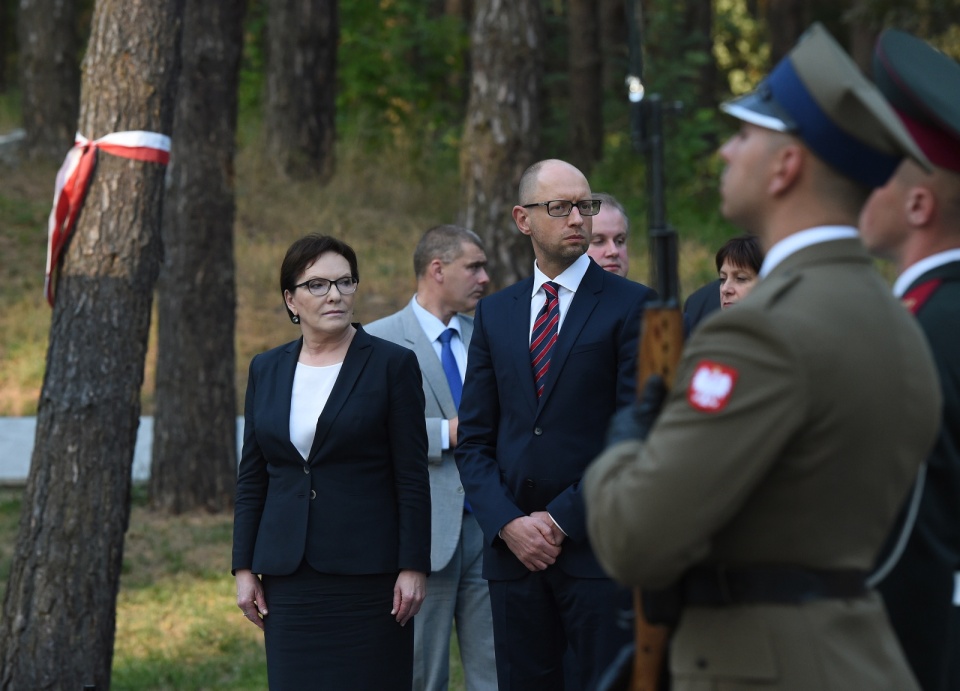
(762, 493)
(914, 220)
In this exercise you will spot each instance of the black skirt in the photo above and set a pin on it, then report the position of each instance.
(335, 633)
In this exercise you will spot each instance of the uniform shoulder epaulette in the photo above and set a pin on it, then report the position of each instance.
(915, 298)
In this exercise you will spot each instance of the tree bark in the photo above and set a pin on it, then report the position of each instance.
(194, 459)
(302, 40)
(5, 21)
(49, 76)
(614, 47)
(585, 89)
(502, 132)
(58, 624)
(786, 20)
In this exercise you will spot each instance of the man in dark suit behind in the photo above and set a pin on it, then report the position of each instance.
(527, 433)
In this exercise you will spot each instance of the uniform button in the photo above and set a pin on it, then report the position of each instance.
(313, 494)
(306, 469)
(537, 431)
(459, 490)
(529, 482)
(702, 663)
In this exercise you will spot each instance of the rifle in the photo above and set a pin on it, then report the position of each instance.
(661, 340)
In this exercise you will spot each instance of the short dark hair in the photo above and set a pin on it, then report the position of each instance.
(444, 243)
(304, 252)
(743, 251)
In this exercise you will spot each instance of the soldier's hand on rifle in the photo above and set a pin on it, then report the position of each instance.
(635, 421)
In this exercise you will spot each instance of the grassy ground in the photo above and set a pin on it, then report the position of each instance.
(178, 626)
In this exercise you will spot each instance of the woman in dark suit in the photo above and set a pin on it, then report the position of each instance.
(331, 537)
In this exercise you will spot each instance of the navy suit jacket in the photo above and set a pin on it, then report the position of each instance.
(518, 455)
(360, 503)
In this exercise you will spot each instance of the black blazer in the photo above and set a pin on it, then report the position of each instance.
(518, 455)
(701, 302)
(360, 504)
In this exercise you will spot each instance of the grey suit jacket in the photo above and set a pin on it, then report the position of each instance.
(446, 491)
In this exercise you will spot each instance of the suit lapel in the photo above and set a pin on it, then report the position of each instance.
(283, 394)
(430, 367)
(518, 340)
(357, 355)
(581, 307)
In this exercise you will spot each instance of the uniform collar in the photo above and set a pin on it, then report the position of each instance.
(909, 277)
(805, 238)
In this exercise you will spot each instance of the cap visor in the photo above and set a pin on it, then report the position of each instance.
(759, 110)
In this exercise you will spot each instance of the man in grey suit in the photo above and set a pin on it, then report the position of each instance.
(450, 265)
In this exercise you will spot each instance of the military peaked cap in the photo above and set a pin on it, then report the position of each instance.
(923, 85)
(819, 95)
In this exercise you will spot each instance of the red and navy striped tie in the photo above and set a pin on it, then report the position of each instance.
(544, 336)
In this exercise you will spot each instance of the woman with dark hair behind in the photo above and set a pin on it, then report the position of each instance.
(738, 265)
(331, 539)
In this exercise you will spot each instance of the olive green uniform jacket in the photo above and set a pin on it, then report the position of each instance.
(793, 433)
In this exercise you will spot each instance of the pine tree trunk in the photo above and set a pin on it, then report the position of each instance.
(5, 41)
(585, 88)
(614, 48)
(194, 459)
(49, 76)
(302, 40)
(502, 132)
(698, 24)
(786, 20)
(58, 623)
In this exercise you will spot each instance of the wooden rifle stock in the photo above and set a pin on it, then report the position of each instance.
(660, 347)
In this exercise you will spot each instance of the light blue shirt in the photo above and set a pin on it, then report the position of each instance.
(432, 327)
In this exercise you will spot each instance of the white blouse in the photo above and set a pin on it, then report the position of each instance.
(311, 389)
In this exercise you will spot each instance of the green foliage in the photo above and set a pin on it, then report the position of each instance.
(739, 46)
(401, 74)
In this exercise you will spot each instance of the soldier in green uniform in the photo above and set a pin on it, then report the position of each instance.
(764, 490)
(914, 220)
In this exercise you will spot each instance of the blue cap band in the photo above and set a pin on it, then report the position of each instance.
(843, 152)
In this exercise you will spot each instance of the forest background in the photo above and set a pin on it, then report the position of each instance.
(395, 167)
(401, 96)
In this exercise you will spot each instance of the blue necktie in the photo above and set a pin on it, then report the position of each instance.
(450, 366)
(453, 379)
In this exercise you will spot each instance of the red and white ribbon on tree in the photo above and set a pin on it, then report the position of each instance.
(73, 179)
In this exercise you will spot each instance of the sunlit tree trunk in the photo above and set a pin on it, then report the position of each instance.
(49, 75)
(194, 459)
(501, 133)
(301, 86)
(58, 623)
